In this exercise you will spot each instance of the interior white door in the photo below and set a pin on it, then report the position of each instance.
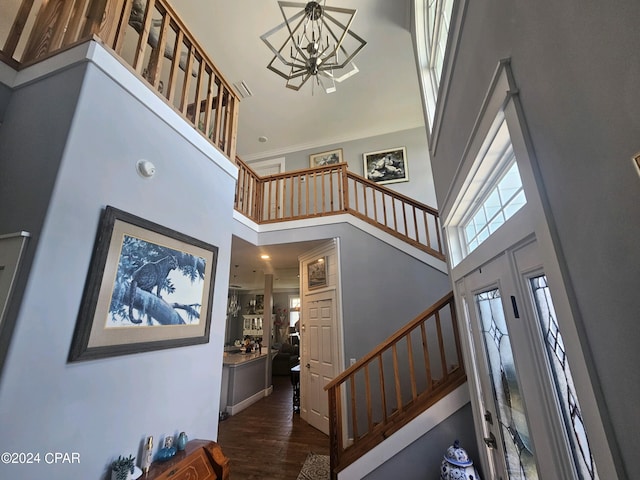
(318, 358)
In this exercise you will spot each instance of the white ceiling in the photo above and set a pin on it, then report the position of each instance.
(383, 97)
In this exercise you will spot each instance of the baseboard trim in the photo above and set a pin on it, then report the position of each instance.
(238, 407)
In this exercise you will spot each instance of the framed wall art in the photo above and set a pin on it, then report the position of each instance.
(317, 273)
(325, 158)
(148, 288)
(386, 166)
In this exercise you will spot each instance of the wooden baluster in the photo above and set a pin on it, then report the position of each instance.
(425, 349)
(335, 430)
(367, 384)
(354, 415)
(154, 66)
(143, 38)
(48, 30)
(375, 206)
(72, 30)
(426, 228)
(415, 222)
(364, 193)
(232, 124)
(345, 188)
(104, 19)
(17, 27)
(208, 103)
(278, 211)
(322, 192)
(443, 357)
(175, 67)
(439, 249)
(331, 173)
(383, 391)
(215, 132)
(395, 217)
(404, 219)
(186, 84)
(396, 376)
(412, 371)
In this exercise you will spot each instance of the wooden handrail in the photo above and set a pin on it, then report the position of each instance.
(332, 190)
(151, 38)
(379, 405)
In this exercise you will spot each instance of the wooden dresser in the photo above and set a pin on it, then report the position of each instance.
(201, 460)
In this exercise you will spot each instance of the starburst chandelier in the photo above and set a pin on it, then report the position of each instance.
(314, 42)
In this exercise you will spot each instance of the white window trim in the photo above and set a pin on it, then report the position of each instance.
(533, 220)
(420, 45)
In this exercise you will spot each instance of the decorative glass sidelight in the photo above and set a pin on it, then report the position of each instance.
(517, 446)
(554, 346)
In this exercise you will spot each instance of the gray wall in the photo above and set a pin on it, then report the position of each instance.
(423, 458)
(101, 408)
(383, 288)
(578, 76)
(420, 184)
(5, 93)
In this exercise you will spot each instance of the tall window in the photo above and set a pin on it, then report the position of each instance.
(433, 19)
(294, 310)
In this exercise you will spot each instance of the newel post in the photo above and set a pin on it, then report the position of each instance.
(335, 435)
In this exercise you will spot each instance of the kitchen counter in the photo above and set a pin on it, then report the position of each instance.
(244, 380)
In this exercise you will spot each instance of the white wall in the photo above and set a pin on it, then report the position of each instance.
(103, 408)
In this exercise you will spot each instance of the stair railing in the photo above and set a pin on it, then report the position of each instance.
(407, 373)
(332, 190)
(150, 37)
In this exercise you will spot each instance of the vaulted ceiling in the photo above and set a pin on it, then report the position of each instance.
(383, 97)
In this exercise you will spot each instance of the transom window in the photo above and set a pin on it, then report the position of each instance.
(504, 199)
(491, 194)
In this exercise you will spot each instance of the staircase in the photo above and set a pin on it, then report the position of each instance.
(406, 374)
(415, 367)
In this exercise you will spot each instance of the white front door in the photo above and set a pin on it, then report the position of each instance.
(532, 424)
(319, 350)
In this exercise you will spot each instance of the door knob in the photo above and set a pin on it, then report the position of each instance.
(308, 365)
(490, 441)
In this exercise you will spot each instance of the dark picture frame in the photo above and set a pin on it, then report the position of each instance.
(148, 288)
(317, 273)
(386, 166)
(325, 158)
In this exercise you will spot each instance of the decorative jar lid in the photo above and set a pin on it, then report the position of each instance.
(456, 455)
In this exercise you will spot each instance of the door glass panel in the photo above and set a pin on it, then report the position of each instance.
(563, 380)
(519, 457)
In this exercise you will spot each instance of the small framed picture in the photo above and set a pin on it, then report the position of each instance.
(386, 166)
(325, 158)
(317, 273)
(636, 160)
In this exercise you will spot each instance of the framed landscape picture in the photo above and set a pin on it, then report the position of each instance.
(325, 158)
(317, 274)
(148, 288)
(386, 166)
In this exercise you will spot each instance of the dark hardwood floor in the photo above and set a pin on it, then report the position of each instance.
(267, 441)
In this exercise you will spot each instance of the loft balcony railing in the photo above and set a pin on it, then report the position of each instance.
(406, 374)
(147, 35)
(333, 190)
